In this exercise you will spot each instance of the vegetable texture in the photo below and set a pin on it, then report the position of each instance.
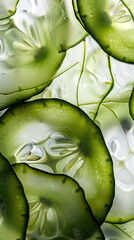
(58, 209)
(67, 119)
(60, 136)
(13, 204)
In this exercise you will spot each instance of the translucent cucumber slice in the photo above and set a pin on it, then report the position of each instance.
(118, 130)
(65, 29)
(58, 209)
(62, 137)
(13, 204)
(28, 57)
(7, 8)
(111, 23)
(131, 104)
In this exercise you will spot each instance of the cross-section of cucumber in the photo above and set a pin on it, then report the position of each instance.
(7, 8)
(13, 204)
(62, 137)
(131, 104)
(28, 57)
(111, 23)
(58, 209)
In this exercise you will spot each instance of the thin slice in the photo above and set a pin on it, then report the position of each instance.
(7, 8)
(131, 104)
(111, 23)
(13, 204)
(62, 137)
(29, 58)
(58, 209)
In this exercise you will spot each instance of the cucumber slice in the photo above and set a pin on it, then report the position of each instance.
(29, 58)
(118, 130)
(58, 209)
(111, 23)
(131, 104)
(13, 204)
(7, 8)
(62, 137)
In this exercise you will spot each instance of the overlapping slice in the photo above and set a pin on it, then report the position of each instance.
(28, 57)
(111, 23)
(7, 8)
(13, 204)
(131, 104)
(58, 209)
(59, 137)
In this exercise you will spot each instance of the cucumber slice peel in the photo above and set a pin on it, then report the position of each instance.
(58, 209)
(52, 137)
(13, 204)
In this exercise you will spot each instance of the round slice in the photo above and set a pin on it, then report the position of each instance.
(62, 137)
(58, 209)
(7, 8)
(29, 58)
(131, 104)
(13, 204)
(111, 23)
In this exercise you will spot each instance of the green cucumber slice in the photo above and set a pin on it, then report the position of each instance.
(63, 138)
(7, 8)
(111, 23)
(131, 104)
(58, 209)
(29, 58)
(118, 130)
(13, 204)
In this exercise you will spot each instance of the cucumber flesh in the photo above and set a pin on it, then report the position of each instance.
(111, 23)
(62, 137)
(13, 204)
(58, 209)
(27, 51)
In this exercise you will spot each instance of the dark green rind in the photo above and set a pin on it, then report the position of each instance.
(131, 104)
(13, 204)
(62, 194)
(113, 39)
